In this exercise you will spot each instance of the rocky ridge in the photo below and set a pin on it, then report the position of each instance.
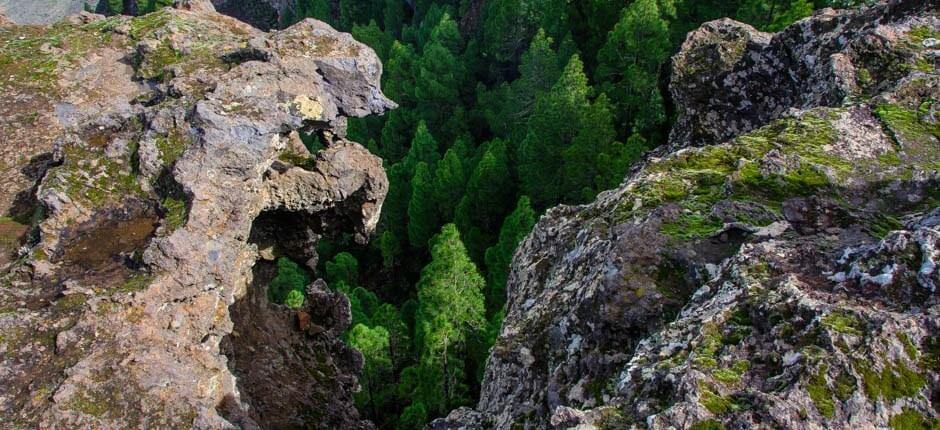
(774, 267)
(154, 201)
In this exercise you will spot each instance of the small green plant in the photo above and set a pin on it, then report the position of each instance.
(295, 299)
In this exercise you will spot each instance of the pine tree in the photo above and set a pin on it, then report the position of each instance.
(439, 77)
(594, 139)
(450, 296)
(390, 248)
(508, 107)
(352, 12)
(489, 193)
(773, 15)
(373, 36)
(510, 24)
(424, 148)
(393, 17)
(422, 209)
(498, 257)
(629, 63)
(398, 78)
(553, 125)
(373, 343)
(343, 268)
(395, 210)
(449, 183)
(386, 315)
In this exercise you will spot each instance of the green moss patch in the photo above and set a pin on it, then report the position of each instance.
(175, 213)
(894, 382)
(845, 322)
(34, 56)
(714, 402)
(690, 226)
(733, 374)
(909, 126)
(172, 145)
(910, 419)
(709, 424)
(90, 177)
(824, 393)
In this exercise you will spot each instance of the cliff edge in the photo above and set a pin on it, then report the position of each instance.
(774, 267)
(158, 158)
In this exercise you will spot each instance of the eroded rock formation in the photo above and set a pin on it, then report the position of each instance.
(173, 134)
(775, 267)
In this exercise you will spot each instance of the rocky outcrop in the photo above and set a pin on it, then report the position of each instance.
(775, 267)
(175, 143)
(729, 78)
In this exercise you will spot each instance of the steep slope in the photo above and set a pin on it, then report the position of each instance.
(774, 267)
(175, 137)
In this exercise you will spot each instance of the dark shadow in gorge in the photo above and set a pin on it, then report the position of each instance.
(293, 370)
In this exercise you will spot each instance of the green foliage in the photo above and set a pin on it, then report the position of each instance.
(294, 299)
(373, 343)
(844, 321)
(422, 212)
(424, 148)
(516, 226)
(567, 133)
(818, 389)
(508, 107)
(629, 63)
(709, 424)
(773, 15)
(450, 297)
(353, 12)
(450, 180)
(481, 210)
(498, 121)
(176, 212)
(510, 24)
(390, 248)
(911, 419)
(714, 402)
(413, 417)
(895, 381)
(692, 226)
(372, 35)
(290, 277)
(344, 268)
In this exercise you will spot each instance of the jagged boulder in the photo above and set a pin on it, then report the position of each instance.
(729, 78)
(776, 272)
(171, 157)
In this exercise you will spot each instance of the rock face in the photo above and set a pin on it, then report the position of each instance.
(729, 79)
(174, 149)
(774, 267)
